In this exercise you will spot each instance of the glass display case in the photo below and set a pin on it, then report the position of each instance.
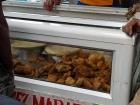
(74, 51)
(75, 66)
(86, 63)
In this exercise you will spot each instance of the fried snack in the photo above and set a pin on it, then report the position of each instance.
(78, 61)
(100, 83)
(87, 83)
(108, 61)
(48, 68)
(104, 67)
(70, 81)
(103, 74)
(66, 60)
(67, 74)
(41, 60)
(43, 70)
(80, 81)
(61, 81)
(32, 58)
(91, 64)
(35, 73)
(100, 65)
(25, 69)
(52, 77)
(84, 70)
(37, 59)
(83, 54)
(94, 58)
(105, 87)
(16, 62)
(78, 75)
(96, 83)
(60, 67)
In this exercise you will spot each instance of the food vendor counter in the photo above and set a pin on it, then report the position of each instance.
(87, 64)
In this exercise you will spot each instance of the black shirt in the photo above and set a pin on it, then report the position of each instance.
(2, 0)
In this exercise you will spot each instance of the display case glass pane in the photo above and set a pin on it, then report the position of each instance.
(77, 66)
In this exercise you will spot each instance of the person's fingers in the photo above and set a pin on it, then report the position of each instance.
(124, 29)
(132, 27)
(48, 5)
(44, 5)
(128, 30)
(57, 2)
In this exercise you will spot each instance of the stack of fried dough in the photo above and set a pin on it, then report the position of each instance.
(85, 69)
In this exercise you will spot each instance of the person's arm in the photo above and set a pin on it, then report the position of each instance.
(132, 26)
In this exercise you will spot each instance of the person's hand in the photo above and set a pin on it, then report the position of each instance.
(49, 4)
(132, 27)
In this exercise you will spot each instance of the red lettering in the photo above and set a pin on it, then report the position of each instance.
(76, 104)
(48, 102)
(68, 103)
(58, 101)
(19, 96)
(25, 97)
(35, 101)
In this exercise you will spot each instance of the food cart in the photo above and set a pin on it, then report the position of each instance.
(73, 55)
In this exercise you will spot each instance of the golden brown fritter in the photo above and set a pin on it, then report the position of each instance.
(84, 70)
(25, 69)
(80, 81)
(47, 68)
(16, 62)
(62, 67)
(105, 87)
(91, 64)
(52, 77)
(94, 58)
(70, 81)
(83, 54)
(96, 84)
(87, 83)
(78, 61)
(61, 80)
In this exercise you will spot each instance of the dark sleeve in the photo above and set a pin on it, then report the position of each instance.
(5, 48)
(122, 3)
(5, 100)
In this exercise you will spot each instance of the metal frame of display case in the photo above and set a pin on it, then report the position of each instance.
(28, 10)
(86, 36)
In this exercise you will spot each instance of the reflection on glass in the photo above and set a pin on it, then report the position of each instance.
(74, 66)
